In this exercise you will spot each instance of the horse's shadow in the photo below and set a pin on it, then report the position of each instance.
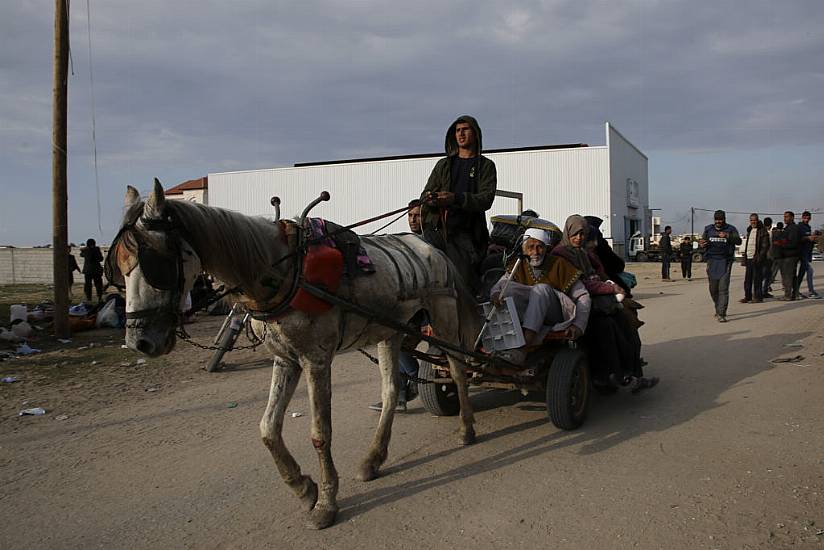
(694, 373)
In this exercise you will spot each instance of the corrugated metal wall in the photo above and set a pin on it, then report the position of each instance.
(556, 183)
(627, 164)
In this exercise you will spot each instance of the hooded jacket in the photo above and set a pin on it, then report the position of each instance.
(475, 202)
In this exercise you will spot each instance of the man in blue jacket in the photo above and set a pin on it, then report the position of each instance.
(719, 241)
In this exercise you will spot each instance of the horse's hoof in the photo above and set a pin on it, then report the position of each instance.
(321, 517)
(310, 497)
(368, 472)
(468, 437)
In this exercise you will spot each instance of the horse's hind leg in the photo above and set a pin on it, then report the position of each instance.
(388, 364)
(319, 384)
(285, 376)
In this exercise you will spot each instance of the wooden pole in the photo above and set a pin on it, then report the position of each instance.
(60, 240)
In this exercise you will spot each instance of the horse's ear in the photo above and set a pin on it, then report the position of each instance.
(156, 203)
(132, 196)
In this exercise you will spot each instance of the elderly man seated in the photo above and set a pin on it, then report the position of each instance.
(548, 294)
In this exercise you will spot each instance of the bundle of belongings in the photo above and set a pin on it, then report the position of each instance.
(110, 313)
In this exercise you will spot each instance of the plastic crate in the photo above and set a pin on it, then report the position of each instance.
(504, 329)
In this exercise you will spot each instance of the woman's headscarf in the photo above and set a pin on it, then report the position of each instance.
(577, 255)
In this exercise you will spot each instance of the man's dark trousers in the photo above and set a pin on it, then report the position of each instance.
(766, 274)
(720, 290)
(787, 267)
(686, 267)
(665, 266)
(753, 281)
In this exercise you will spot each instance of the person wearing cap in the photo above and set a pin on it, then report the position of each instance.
(548, 293)
(460, 189)
(719, 241)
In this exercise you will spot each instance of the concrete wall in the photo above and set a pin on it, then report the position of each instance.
(32, 265)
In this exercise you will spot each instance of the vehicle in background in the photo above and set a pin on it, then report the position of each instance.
(642, 250)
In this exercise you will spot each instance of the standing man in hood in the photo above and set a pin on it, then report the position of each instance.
(460, 190)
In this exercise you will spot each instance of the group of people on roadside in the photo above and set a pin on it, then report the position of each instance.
(767, 252)
(563, 287)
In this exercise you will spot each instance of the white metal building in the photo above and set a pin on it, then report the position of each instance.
(608, 181)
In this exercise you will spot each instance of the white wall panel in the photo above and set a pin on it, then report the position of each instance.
(555, 183)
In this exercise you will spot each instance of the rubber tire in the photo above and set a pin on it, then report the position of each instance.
(435, 399)
(568, 389)
(227, 342)
(697, 257)
(640, 257)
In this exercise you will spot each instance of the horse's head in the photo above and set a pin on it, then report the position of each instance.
(157, 267)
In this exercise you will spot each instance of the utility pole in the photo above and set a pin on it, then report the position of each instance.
(692, 221)
(60, 218)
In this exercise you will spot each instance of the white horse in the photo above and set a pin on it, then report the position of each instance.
(164, 244)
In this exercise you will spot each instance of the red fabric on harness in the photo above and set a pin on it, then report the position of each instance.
(322, 267)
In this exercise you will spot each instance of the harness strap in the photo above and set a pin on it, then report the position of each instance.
(401, 282)
(279, 304)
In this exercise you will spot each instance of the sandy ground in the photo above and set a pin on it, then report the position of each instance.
(727, 452)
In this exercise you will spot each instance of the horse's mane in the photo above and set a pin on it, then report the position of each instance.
(239, 250)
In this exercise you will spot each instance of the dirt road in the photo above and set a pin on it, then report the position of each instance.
(727, 452)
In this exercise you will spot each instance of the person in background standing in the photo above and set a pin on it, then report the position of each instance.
(766, 269)
(92, 269)
(807, 240)
(72, 268)
(666, 253)
(685, 249)
(787, 254)
(719, 240)
(756, 246)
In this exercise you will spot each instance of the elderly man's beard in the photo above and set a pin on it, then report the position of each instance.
(536, 260)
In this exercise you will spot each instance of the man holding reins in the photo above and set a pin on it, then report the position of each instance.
(460, 189)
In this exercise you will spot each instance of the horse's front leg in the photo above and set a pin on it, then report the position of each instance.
(285, 376)
(388, 351)
(319, 385)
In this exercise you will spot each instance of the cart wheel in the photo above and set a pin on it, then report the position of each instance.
(227, 342)
(567, 389)
(438, 399)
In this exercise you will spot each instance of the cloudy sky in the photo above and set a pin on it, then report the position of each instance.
(724, 97)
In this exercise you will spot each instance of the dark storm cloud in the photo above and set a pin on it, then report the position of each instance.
(184, 88)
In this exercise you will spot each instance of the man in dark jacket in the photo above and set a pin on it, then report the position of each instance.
(460, 190)
(666, 253)
(685, 249)
(766, 268)
(92, 269)
(805, 268)
(786, 255)
(756, 245)
(719, 241)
